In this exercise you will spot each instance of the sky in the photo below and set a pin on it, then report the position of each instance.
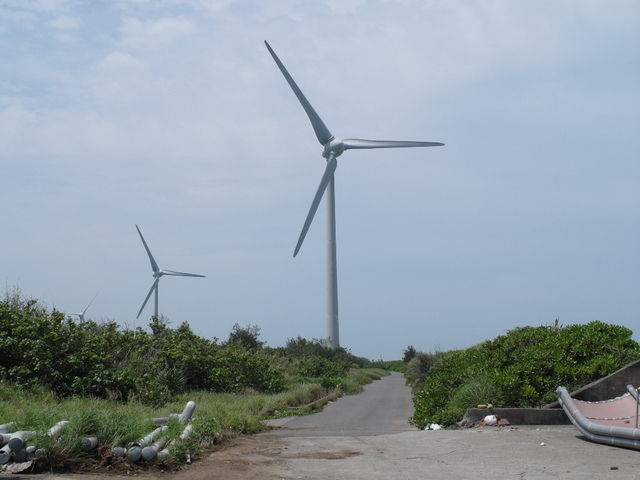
(171, 115)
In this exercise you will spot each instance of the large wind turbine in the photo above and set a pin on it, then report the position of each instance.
(332, 148)
(157, 273)
(81, 315)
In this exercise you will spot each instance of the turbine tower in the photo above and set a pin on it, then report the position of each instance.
(332, 148)
(81, 315)
(157, 273)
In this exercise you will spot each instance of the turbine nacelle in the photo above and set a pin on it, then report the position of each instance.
(334, 146)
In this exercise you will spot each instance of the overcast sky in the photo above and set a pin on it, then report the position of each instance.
(173, 116)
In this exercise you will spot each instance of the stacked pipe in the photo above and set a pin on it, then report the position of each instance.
(154, 445)
(13, 443)
(162, 451)
(134, 452)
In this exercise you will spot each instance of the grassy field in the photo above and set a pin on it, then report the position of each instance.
(119, 424)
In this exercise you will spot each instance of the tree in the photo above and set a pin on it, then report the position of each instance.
(246, 337)
(408, 354)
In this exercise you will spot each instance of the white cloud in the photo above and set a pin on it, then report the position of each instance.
(66, 22)
(41, 5)
(345, 6)
(155, 33)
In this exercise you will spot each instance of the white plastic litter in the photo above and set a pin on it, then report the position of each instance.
(490, 420)
(433, 426)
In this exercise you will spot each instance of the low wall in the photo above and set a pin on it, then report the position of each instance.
(518, 416)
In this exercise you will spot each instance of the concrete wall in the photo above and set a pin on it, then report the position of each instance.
(518, 416)
(611, 386)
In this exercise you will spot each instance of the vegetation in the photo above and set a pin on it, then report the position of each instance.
(418, 368)
(108, 381)
(217, 417)
(390, 365)
(41, 348)
(520, 369)
(408, 354)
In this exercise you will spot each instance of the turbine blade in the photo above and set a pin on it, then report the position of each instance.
(322, 132)
(326, 178)
(154, 265)
(356, 143)
(94, 297)
(153, 287)
(181, 274)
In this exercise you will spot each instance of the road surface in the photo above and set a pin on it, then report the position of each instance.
(367, 437)
(383, 408)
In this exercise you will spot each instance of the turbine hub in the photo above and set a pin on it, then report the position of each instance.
(335, 146)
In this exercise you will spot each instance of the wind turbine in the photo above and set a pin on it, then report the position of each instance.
(157, 273)
(81, 315)
(332, 148)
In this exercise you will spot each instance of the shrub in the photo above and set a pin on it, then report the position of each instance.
(408, 353)
(234, 369)
(521, 369)
(390, 366)
(418, 368)
(246, 337)
(102, 360)
(315, 367)
(302, 348)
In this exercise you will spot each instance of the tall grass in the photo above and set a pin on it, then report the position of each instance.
(217, 417)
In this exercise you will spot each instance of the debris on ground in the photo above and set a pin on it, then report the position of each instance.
(433, 426)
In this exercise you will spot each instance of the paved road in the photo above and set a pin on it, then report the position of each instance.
(367, 437)
(383, 408)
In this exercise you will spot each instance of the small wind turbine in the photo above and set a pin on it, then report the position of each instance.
(332, 148)
(81, 315)
(157, 273)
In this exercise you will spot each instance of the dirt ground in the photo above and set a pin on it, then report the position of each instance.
(249, 457)
(254, 458)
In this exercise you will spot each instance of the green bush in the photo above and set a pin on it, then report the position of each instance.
(299, 348)
(389, 366)
(408, 353)
(234, 369)
(246, 337)
(521, 369)
(102, 360)
(42, 348)
(417, 369)
(316, 367)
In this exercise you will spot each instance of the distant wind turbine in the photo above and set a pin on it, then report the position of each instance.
(81, 315)
(157, 273)
(332, 148)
